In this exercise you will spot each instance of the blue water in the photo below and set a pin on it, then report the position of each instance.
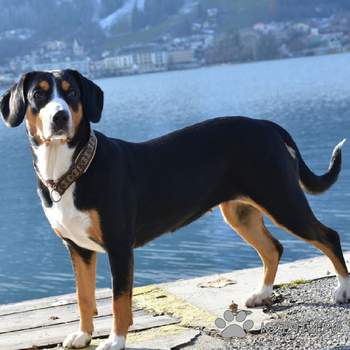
(308, 96)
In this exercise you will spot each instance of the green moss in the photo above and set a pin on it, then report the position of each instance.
(293, 284)
(159, 302)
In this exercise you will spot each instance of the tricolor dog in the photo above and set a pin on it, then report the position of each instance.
(102, 194)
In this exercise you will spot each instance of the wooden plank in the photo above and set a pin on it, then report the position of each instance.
(50, 316)
(167, 342)
(36, 304)
(53, 335)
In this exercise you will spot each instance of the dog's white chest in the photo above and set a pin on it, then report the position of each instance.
(53, 161)
(71, 223)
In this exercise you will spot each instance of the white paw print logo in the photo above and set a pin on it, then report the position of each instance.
(233, 329)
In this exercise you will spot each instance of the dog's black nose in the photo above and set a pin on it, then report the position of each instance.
(60, 119)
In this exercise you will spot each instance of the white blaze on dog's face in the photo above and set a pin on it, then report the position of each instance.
(54, 109)
(56, 118)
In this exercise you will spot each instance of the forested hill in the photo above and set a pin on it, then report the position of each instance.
(98, 23)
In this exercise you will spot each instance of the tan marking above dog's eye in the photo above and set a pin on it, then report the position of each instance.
(44, 85)
(65, 85)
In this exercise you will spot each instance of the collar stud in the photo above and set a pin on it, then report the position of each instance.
(55, 196)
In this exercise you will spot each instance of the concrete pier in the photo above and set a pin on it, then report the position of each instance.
(166, 316)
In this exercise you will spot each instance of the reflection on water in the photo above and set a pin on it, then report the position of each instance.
(308, 96)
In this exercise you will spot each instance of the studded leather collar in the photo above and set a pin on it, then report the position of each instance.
(79, 166)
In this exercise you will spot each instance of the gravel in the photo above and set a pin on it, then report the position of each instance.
(303, 317)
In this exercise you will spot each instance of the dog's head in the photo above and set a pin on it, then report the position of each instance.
(53, 104)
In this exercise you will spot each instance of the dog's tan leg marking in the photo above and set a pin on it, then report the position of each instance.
(85, 283)
(340, 269)
(122, 308)
(85, 276)
(122, 314)
(326, 240)
(122, 318)
(248, 222)
(328, 243)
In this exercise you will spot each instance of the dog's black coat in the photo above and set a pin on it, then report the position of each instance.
(146, 189)
(161, 185)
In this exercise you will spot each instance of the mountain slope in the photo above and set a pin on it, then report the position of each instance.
(120, 13)
(101, 25)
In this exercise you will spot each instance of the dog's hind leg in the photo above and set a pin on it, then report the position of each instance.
(248, 222)
(287, 206)
(328, 241)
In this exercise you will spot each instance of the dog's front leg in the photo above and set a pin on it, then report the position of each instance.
(84, 265)
(122, 267)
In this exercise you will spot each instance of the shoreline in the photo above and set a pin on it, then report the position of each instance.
(4, 86)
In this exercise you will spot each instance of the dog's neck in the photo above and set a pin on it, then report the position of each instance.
(55, 158)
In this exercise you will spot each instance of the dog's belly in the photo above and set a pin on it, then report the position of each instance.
(71, 223)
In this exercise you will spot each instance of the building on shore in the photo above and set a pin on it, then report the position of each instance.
(147, 58)
(143, 59)
(181, 58)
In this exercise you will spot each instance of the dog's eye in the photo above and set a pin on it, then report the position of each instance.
(39, 94)
(72, 93)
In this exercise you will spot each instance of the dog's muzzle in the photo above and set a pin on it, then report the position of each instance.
(60, 122)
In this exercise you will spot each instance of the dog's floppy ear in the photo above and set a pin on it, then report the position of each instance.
(91, 96)
(13, 103)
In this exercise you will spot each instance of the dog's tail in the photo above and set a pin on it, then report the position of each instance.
(310, 182)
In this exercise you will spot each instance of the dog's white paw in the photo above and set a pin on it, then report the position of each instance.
(77, 340)
(342, 293)
(114, 342)
(260, 297)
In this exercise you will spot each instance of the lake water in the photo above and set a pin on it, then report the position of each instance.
(308, 96)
